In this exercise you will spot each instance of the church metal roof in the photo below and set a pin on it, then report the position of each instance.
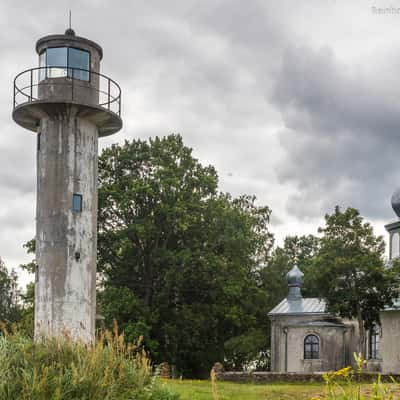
(299, 306)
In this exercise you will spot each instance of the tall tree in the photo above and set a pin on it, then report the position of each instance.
(26, 322)
(350, 272)
(9, 308)
(177, 257)
(302, 251)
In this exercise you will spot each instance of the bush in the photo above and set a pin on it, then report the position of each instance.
(60, 369)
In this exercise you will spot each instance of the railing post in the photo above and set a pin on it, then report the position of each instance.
(72, 85)
(30, 98)
(108, 93)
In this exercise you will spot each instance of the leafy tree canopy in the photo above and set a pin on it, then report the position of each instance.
(178, 258)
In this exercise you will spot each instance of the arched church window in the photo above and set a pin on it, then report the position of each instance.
(311, 347)
(374, 338)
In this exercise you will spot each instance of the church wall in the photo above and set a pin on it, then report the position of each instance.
(389, 342)
(337, 343)
(352, 336)
(331, 349)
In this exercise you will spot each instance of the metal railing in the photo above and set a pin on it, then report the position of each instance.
(27, 86)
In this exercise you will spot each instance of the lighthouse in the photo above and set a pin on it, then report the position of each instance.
(68, 104)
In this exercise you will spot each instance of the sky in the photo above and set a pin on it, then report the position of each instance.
(297, 102)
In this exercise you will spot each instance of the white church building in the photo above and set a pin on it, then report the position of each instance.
(306, 338)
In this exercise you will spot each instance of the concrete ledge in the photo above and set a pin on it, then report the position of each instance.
(269, 377)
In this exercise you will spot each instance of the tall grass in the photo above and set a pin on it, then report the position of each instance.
(214, 388)
(345, 384)
(60, 369)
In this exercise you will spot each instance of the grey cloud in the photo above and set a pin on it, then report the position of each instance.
(341, 137)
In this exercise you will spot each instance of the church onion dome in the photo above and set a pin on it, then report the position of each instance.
(295, 277)
(396, 202)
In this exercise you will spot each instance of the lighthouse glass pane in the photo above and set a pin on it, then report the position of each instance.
(42, 65)
(78, 59)
(57, 57)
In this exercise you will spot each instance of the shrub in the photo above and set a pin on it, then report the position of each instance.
(60, 369)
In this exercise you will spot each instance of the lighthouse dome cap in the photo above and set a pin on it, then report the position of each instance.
(396, 202)
(295, 276)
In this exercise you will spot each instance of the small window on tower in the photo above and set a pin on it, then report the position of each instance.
(77, 202)
(38, 140)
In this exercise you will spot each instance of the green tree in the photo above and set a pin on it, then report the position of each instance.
(9, 308)
(177, 257)
(300, 250)
(26, 321)
(350, 272)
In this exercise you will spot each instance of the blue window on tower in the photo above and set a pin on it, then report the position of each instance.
(77, 202)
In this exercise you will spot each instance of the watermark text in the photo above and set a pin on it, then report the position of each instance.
(385, 10)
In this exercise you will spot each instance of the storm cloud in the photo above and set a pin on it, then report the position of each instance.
(341, 133)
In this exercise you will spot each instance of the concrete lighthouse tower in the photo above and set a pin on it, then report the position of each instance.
(69, 105)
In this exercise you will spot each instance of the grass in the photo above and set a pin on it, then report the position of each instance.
(202, 390)
(339, 385)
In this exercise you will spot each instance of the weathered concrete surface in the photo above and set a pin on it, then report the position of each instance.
(28, 115)
(66, 240)
(390, 341)
(72, 41)
(337, 343)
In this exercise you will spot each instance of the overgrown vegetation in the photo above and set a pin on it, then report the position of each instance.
(65, 370)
